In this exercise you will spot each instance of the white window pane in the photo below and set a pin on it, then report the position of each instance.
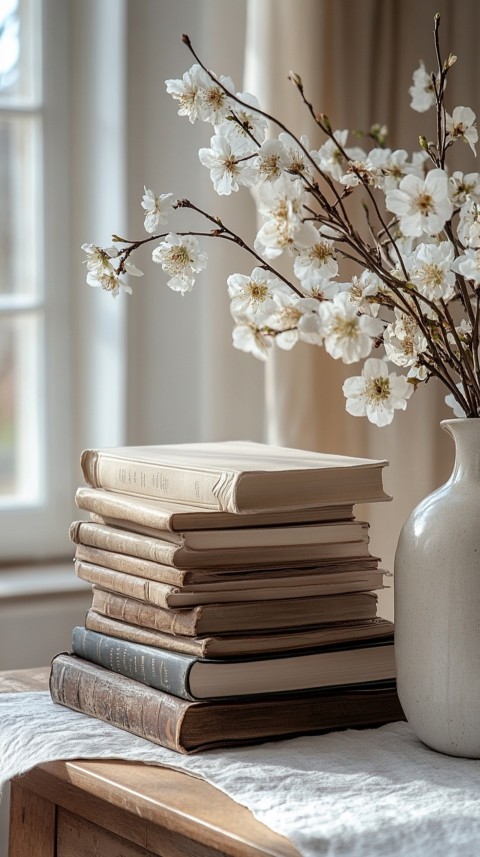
(20, 414)
(19, 70)
(20, 230)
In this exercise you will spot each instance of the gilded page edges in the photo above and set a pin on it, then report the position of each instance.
(225, 490)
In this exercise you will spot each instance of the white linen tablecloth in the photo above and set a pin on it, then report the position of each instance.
(360, 793)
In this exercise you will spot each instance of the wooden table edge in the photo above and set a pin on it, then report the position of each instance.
(204, 814)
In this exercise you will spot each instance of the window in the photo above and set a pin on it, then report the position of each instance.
(34, 357)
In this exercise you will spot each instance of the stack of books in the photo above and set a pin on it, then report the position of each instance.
(233, 595)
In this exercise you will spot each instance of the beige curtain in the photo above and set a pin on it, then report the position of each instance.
(356, 60)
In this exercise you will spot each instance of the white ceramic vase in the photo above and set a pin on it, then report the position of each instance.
(437, 605)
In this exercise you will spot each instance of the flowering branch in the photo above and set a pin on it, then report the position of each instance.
(420, 258)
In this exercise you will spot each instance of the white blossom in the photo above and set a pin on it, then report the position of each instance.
(188, 91)
(214, 104)
(157, 206)
(422, 92)
(468, 229)
(451, 401)
(281, 204)
(463, 186)
(297, 159)
(362, 289)
(388, 168)
(330, 158)
(253, 296)
(180, 256)
(227, 169)
(244, 123)
(272, 159)
(376, 393)
(101, 273)
(421, 205)
(348, 335)
(289, 310)
(315, 262)
(247, 336)
(404, 342)
(430, 270)
(461, 125)
(468, 265)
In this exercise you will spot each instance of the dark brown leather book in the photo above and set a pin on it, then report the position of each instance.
(187, 727)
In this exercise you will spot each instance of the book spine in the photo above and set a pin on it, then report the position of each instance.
(125, 584)
(116, 506)
(132, 565)
(167, 671)
(119, 701)
(148, 479)
(123, 542)
(134, 612)
(145, 636)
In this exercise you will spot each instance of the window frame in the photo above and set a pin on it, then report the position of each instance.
(39, 529)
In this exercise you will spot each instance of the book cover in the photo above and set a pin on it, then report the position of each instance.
(237, 618)
(180, 556)
(342, 578)
(248, 643)
(164, 595)
(235, 476)
(188, 727)
(190, 677)
(151, 515)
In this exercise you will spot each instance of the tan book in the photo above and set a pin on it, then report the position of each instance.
(235, 476)
(226, 579)
(213, 619)
(187, 727)
(165, 595)
(243, 644)
(182, 556)
(162, 514)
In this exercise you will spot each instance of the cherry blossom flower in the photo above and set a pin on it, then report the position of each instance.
(281, 204)
(247, 336)
(461, 187)
(376, 393)
(253, 296)
(348, 335)
(289, 310)
(468, 265)
(181, 257)
(243, 123)
(227, 169)
(188, 92)
(461, 125)
(430, 270)
(214, 103)
(297, 160)
(423, 206)
(452, 403)
(316, 261)
(404, 342)
(422, 92)
(157, 206)
(272, 159)
(468, 229)
(330, 158)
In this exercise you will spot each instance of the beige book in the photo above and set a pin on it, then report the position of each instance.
(222, 578)
(243, 644)
(161, 514)
(235, 476)
(181, 556)
(197, 581)
(164, 595)
(237, 618)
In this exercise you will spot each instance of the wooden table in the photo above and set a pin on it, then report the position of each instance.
(126, 809)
